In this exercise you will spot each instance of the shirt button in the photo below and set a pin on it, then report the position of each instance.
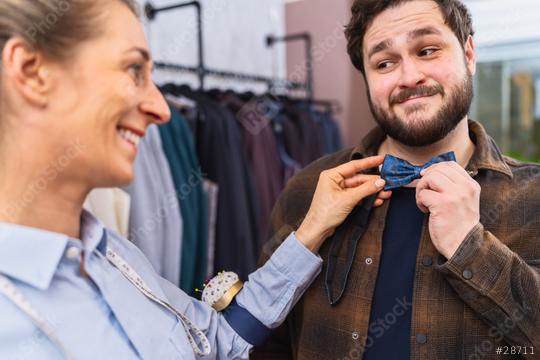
(73, 253)
(369, 261)
(421, 338)
(427, 261)
(355, 335)
(467, 274)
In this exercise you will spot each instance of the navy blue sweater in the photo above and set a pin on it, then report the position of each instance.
(390, 322)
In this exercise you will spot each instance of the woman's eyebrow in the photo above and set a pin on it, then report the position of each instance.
(144, 53)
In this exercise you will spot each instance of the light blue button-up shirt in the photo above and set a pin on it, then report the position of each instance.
(103, 316)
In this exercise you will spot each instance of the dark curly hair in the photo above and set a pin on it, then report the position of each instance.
(455, 13)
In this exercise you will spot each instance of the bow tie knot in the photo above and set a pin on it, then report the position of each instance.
(398, 172)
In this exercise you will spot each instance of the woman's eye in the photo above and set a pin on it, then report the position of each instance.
(136, 71)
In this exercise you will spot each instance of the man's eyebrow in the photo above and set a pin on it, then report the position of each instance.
(383, 45)
(414, 34)
(428, 30)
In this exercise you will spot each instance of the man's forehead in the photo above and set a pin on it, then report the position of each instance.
(404, 18)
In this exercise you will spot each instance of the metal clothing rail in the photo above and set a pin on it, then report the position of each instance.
(331, 106)
(201, 70)
(151, 12)
(271, 82)
(306, 38)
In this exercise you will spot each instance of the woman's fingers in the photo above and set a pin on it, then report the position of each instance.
(366, 189)
(338, 191)
(378, 202)
(385, 195)
(355, 166)
(358, 179)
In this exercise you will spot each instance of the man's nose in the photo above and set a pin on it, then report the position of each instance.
(411, 74)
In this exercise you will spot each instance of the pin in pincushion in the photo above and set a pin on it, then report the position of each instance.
(221, 290)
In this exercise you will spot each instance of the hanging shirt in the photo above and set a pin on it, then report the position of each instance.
(187, 176)
(155, 223)
(111, 206)
(104, 316)
(261, 152)
(211, 190)
(223, 160)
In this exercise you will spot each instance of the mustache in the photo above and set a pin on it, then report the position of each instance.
(422, 90)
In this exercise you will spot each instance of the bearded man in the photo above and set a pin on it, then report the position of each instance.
(449, 268)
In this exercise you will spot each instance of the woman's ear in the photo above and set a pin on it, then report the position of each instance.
(26, 71)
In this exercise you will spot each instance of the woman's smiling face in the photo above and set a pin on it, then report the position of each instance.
(104, 98)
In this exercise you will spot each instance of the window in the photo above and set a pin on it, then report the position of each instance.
(507, 103)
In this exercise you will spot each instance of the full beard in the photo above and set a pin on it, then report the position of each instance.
(426, 131)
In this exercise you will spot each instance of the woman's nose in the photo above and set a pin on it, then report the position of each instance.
(155, 107)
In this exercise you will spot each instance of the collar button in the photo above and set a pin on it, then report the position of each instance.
(73, 253)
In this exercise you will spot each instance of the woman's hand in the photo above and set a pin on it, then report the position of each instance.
(338, 191)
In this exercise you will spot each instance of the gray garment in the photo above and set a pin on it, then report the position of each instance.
(212, 191)
(155, 222)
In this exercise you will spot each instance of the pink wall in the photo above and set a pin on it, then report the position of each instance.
(334, 75)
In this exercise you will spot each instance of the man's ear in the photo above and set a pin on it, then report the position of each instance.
(26, 71)
(470, 55)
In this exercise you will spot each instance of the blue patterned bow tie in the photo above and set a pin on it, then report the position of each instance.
(398, 172)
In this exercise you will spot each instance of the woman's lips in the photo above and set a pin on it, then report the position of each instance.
(129, 136)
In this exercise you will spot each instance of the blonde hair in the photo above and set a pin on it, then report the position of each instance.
(53, 27)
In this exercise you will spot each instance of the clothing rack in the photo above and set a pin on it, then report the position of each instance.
(228, 75)
(330, 106)
(306, 38)
(201, 70)
(272, 83)
(151, 12)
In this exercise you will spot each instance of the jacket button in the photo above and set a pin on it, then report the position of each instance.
(369, 261)
(355, 335)
(421, 338)
(427, 261)
(467, 274)
(441, 260)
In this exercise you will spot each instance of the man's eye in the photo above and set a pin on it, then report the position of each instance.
(384, 65)
(427, 52)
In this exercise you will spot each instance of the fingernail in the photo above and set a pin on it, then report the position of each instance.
(380, 183)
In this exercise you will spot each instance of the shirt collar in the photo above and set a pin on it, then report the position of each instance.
(486, 156)
(93, 234)
(32, 255)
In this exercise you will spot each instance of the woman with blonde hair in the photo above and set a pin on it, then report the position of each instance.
(76, 96)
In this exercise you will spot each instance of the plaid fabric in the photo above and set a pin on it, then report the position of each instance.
(398, 172)
(486, 296)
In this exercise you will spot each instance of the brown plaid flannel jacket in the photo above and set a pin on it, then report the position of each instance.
(487, 295)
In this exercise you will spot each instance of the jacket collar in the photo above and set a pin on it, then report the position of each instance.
(486, 156)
